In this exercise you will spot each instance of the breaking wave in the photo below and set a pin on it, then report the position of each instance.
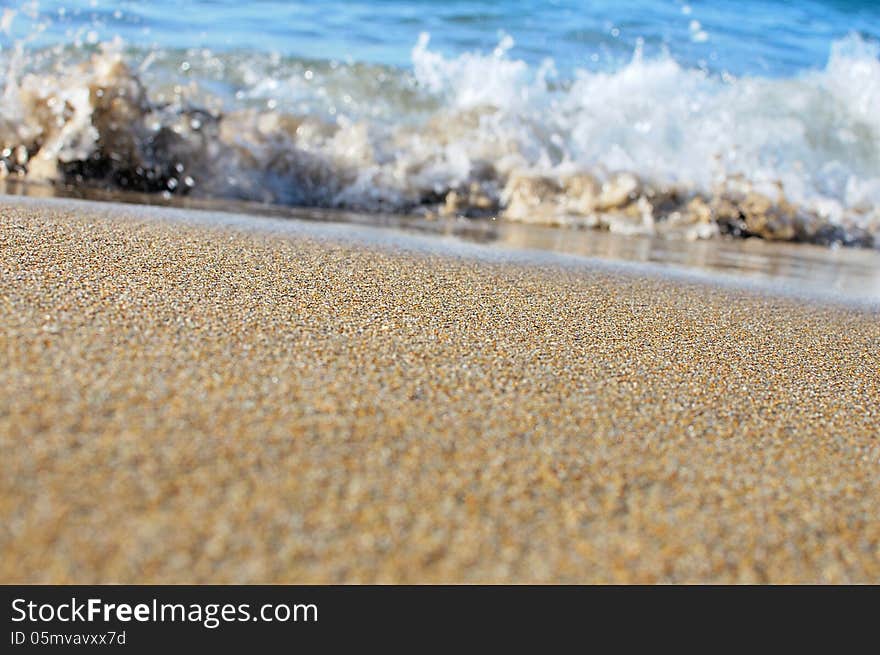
(651, 147)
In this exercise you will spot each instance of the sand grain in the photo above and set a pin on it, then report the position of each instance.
(184, 403)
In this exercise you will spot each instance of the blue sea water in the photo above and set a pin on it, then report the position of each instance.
(393, 105)
(760, 37)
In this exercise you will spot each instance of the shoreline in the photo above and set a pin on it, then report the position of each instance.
(215, 400)
(847, 277)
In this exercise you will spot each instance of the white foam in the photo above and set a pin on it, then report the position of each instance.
(818, 135)
(380, 139)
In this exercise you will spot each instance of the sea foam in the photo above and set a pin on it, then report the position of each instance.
(649, 147)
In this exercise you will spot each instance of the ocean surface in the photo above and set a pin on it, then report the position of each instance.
(678, 120)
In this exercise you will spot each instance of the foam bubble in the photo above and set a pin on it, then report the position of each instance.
(649, 147)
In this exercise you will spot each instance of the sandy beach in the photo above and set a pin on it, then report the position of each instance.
(189, 402)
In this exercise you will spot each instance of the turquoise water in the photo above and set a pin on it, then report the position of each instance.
(763, 37)
(672, 118)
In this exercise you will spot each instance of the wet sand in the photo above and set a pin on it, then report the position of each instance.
(188, 402)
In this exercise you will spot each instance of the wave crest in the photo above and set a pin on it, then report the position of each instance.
(649, 148)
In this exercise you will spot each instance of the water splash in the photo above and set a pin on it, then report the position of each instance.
(651, 147)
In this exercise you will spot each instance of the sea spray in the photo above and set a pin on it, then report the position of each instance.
(651, 147)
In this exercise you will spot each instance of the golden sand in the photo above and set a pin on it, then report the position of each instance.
(181, 402)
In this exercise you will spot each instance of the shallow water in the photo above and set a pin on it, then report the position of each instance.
(766, 37)
(664, 119)
(843, 275)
